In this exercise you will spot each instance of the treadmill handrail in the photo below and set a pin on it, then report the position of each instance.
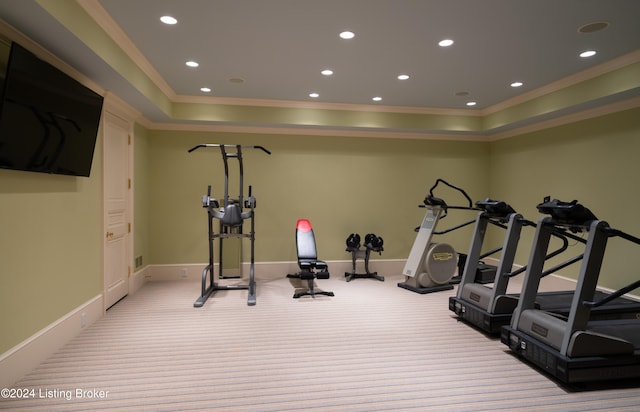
(612, 296)
(565, 245)
(490, 252)
(616, 232)
(611, 232)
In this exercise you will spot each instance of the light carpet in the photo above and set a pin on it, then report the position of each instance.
(372, 347)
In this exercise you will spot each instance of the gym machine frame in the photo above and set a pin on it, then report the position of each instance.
(490, 308)
(231, 218)
(441, 255)
(574, 349)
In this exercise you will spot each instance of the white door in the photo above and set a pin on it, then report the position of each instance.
(116, 209)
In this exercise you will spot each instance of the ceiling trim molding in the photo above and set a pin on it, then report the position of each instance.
(392, 134)
(101, 18)
(587, 74)
(95, 10)
(301, 104)
(307, 131)
(569, 118)
(115, 105)
(12, 35)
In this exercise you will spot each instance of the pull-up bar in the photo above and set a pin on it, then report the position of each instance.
(228, 145)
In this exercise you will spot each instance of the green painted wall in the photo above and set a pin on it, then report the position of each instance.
(50, 248)
(342, 185)
(51, 234)
(594, 161)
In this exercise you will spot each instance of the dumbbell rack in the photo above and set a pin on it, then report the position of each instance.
(357, 253)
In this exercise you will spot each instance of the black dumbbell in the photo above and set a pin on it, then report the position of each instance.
(353, 242)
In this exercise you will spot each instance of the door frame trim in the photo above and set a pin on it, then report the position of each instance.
(114, 107)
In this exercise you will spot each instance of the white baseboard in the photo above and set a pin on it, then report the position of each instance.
(271, 270)
(384, 267)
(187, 271)
(138, 279)
(24, 357)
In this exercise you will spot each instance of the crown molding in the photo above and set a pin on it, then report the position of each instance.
(314, 131)
(394, 134)
(588, 74)
(95, 10)
(115, 105)
(569, 118)
(301, 104)
(10, 34)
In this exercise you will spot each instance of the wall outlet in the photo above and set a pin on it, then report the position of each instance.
(183, 273)
(83, 319)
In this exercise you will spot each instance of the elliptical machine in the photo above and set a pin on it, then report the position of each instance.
(430, 267)
(231, 217)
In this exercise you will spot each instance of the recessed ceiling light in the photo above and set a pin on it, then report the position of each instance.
(593, 27)
(471, 104)
(516, 84)
(191, 63)
(445, 43)
(377, 99)
(588, 53)
(168, 20)
(327, 72)
(314, 95)
(403, 77)
(347, 35)
(205, 89)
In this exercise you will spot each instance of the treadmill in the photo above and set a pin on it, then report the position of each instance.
(487, 306)
(575, 348)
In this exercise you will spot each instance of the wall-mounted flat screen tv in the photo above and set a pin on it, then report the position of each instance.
(48, 120)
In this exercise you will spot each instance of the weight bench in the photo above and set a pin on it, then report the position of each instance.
(310, 267)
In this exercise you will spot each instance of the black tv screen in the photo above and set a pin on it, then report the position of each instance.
(48, 120)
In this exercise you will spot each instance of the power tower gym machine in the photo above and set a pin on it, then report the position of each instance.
(575, 348)
(231, 217)
(430, 267)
